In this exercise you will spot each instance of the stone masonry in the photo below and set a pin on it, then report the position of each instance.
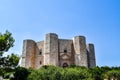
(58, 52)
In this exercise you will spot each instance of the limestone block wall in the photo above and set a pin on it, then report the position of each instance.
(51, 49)
(91, 55)
(65, 52)
(39, 55)
(79, 43)
(28, 54)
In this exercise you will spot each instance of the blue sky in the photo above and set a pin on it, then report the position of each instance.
(98, 20)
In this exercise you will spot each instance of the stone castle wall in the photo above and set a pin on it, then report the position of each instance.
(91, 55)
(28, 55)
(79, 43)
(51, 49)
(65, 52)
(39, 57)
(58, 52)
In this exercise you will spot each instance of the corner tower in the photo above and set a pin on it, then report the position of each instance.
(51, 49)
(79, 43)
(28, 53)
(91, 56)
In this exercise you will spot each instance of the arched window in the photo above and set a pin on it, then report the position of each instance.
(65, 65)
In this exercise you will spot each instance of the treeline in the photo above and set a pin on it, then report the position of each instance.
(68, 73)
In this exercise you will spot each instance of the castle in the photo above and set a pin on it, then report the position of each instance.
(58, 52)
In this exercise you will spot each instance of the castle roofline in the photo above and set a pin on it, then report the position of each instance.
(29, 40)
(80, 36)
(51, 34)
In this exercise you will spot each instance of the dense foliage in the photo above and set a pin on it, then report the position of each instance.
(75, 73)
(11, 61)
(6, 42)
(21, 73)
(59, 73)
(8, 63)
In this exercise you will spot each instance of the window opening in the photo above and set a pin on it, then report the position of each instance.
(40, 62)
(40, 53)
(65, 65)
(65, 51)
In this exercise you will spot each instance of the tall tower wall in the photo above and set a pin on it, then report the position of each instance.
(79, 43)
(39, 56)
(28, 53)
(51, 49)
(91, 55)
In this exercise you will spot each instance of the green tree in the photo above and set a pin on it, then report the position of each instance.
(96, 73)
(57, 73)
(6, 42)
(11, 61)
(21, 73)
(46, 73)
(7, 63)
(112, 74)
(76, 73)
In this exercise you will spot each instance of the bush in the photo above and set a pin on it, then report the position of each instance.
(56, 73)
(45, 73)
(112, 74)
(76, 74)
(21, 73)
(2, 71)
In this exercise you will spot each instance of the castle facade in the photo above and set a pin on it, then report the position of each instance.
(58, 52)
